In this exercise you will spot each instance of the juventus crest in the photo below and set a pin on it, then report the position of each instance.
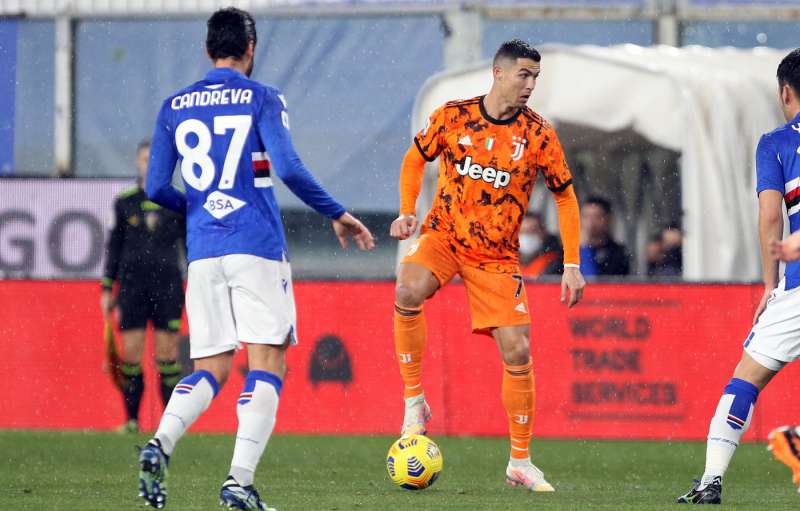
(519, 147)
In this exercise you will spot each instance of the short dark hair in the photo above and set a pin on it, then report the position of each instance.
(789, 70)
(516, 49)
(599, 201)
(144, 144)
(229, 32)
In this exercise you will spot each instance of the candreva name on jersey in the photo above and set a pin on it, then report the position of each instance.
(212, 98)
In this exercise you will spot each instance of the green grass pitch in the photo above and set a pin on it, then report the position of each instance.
(97, 471)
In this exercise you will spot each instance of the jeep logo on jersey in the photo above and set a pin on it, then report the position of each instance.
(497, 178)
(220, 205)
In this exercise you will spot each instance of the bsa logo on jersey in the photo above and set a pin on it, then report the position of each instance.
(497, 178)
(221, 205)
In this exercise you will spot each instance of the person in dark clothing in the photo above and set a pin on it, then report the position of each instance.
(672, 239)
(600, 255)
(540, 252)
(143, 257)
(664, 253)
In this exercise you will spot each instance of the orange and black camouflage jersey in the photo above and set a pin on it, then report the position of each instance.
(488, 168)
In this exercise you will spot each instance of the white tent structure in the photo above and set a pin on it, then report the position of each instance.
(708, 105)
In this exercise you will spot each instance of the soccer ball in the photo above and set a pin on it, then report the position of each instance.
(414, 462)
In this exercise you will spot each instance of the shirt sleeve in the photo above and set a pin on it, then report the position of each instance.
(430, 140)
(161, 166)
(552, 163)
(569, 224)
(412, 173)
(273, 129)
(769, 170)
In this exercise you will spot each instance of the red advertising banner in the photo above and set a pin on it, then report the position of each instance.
(631, 361)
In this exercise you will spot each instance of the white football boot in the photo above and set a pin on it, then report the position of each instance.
(528, 475)
(416, 415)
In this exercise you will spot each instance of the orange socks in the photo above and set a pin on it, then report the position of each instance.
(410, 334)
(519, 399)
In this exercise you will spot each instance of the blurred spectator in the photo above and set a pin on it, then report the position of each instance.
(539, 251)
(665, 253)
(600, 255)
(654, 254)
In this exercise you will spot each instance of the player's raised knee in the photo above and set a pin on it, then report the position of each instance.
(410, 293)
(518, 353)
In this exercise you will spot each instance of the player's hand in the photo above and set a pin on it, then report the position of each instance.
(403, 227)
(107, 302)
(786, 250)
(349, 226)
(572, 281)
(763, 303)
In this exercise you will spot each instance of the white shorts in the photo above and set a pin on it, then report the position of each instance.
(238, 298)
(774, 340)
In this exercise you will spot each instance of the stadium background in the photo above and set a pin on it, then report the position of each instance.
(81, 85)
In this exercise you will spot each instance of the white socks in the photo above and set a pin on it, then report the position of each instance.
(256, 409)
(191, 397)
(417, 400)
(519, 462)
(730, 421)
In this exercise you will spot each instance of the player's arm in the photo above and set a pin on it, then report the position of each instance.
(558, 179)
(770, 230)
(412, 173)
(116, 240)
(569, 226)
(427, 146)
(273, 129)
(161, 166)
(770, 187)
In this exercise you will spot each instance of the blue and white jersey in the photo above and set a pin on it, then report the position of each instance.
(229, 134)
(778, 168)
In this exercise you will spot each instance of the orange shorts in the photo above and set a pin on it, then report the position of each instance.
(495, 299)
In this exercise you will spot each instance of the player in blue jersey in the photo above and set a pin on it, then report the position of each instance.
(230, 134)
(774, 340)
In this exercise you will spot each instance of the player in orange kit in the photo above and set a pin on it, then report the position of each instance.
(490, 149)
